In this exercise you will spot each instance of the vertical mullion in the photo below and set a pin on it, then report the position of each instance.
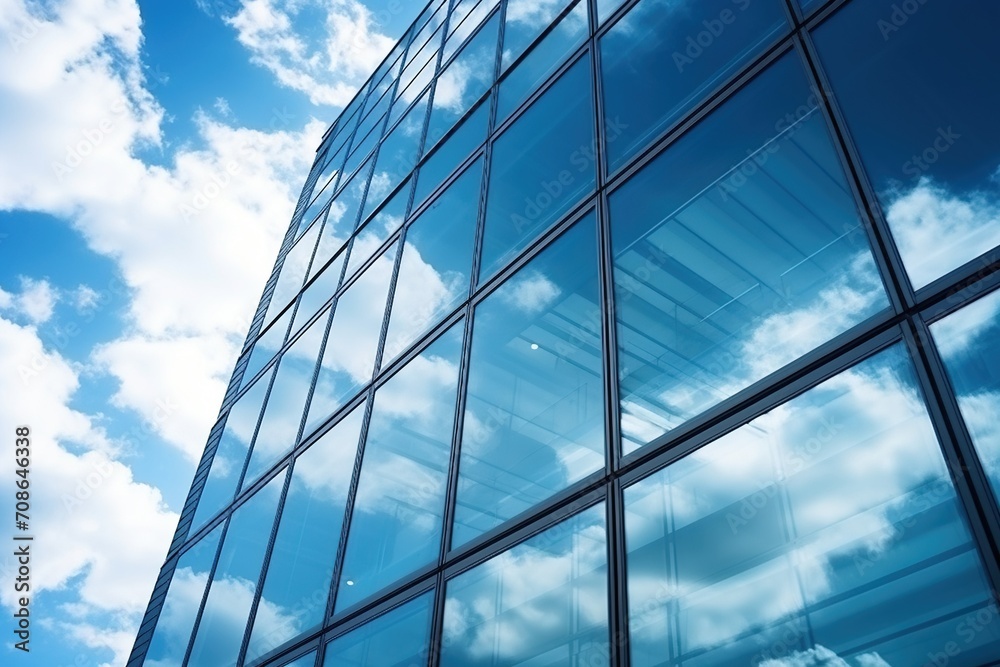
(208, 588)
(970, 480)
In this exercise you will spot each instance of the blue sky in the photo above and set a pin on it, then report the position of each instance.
(121, 311)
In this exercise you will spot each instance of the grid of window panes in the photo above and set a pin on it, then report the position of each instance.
(631, 332)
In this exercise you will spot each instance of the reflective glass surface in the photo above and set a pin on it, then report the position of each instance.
(318, 292)
(737, 250)
(606, 7)
(349, 357)
(544, 602)
(542, 61)
(395, 639)
(469, 134)
(436, 265)
(231, 454)
(230, 595)
(279, 425)
(542, 165)
(464, 81)
(663, 55)
(293, 272)
(305, 661)
(180, 608)
(525, 20)
(825, 532)
(399, 505)
(534, 421)
(968, 341)
(293, 599)
(397, 156)
(465, 18)
(267, 345)
(376, 231)
(336, 230)
(920, 102)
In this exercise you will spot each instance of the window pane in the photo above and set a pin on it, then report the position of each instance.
(469, 135)
(348, 361)
(544, 602)
(526, 20)
(737, 250)
(534, 421)
(543, 60)
(231, 455)
(318, 293)
(935, 172)
(542, 165)
(605, 7)
(396, 521)
(293, 272)
(396, 639)
(375, 232)
(305, 661)
(465, 18)
(967, 340)
(397, 156)
(662, 57)
(279, 426)
(220, 631)
(293, 600)
(465, 80)
(267, 346)
(436, 265)
(336, 230)
(826, 531)
(180, 608)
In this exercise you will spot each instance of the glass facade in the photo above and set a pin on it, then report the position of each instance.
(623, 332)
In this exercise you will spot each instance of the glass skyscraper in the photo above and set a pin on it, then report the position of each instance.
(611, 332)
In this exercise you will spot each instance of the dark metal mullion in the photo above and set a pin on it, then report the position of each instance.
(884, 249)
(617, 576)
(971, 482)
(268, 550)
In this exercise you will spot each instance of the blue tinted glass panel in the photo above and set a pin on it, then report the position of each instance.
(337, 228)
(435, 269)
(464, 81)
(294, 270)
(293, 600)
(919, 92)
(543, 60)
(348, 360)
(662, 57)
(397, 156)
(227, 608)
(279, 425)
(606, 7)
(268, 345)
(825, 532)
(544, 602)
(231, 455)
(318, 292)
(469, 135)
(377, 230)
(737, 250)
(180, 608)
(363, 150)
(542, 165)
(398, 509)
(305, 661)
(526, 20)
(398, 638)
(534, 421)
(465, 18)
(967, 340)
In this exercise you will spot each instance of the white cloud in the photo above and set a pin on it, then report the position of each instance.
(530, 292)
(962, 329)
(329, 68)
(820, 656)
(85, 298)
(36, 301)
(938, 230)
(93, 524)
